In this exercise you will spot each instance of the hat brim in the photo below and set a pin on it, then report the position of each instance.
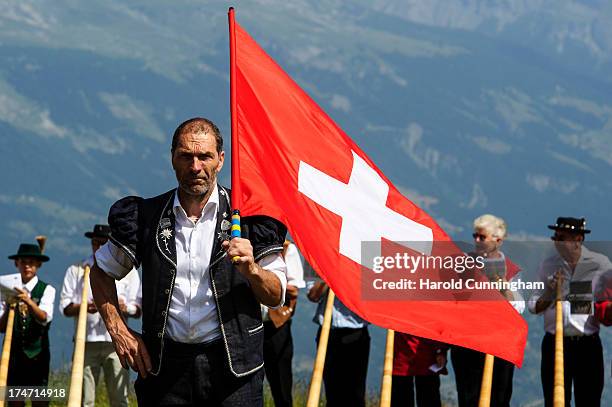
(91, 235)
(584, 231)
(40, 257)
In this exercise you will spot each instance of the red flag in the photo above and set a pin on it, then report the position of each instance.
(298, 166)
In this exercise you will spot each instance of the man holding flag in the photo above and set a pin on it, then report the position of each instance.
(278, 172)
(202, 335)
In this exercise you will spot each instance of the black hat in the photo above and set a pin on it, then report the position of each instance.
(99, 231)
(575, 225)
(29, 250)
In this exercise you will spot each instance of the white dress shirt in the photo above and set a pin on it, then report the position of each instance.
(192, 316)
(46, 301)
(295, 267)
(128, 290)
(591, 266)
(295, 273)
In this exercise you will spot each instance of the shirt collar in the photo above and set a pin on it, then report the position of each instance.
(31, 284)
(211, 204)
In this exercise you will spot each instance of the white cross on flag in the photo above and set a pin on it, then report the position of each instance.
(296, 165)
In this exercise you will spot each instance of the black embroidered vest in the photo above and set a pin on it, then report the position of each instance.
(145, 229)
(29, 336)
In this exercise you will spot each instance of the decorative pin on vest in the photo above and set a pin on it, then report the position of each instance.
(166, 233)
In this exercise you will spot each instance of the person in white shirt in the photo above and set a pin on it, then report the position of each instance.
(581, 271)
(30, 356)
(99, 351)
(202, 331)
(278, 341)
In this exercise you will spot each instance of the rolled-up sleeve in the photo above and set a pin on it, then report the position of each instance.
(46, 303)
(69, 287)
(275, 264)
(295, 268)
(113, 261)
(537, 294)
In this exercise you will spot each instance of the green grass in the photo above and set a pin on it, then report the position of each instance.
(60, 379)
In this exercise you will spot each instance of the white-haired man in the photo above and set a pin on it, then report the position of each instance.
(489, 234)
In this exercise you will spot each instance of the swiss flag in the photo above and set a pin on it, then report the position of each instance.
(296, 165)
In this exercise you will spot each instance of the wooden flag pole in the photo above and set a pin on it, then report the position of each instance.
(385, 390)
(78, 359)
(487, 382)
(317, 372)
(6, 349)
(559, 381)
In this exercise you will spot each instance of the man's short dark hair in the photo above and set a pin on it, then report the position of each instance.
(197, 125)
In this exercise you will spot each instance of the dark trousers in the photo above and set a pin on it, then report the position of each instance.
(278, 353)
(582, 366)
(346, 366)
(25, 371)
(427, 391)
(468, 366)
(198, 375)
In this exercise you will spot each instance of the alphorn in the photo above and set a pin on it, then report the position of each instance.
(314, 392)
(6, 350)
(559, 381)
(78, 359)
(487, 382)
(385, 389)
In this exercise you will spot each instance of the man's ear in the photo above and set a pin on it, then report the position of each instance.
(221, 161)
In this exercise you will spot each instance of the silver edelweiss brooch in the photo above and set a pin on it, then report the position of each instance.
(165, 235)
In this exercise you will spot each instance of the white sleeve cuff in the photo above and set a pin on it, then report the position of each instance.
(274, 263)
(113, 261)
(131, 309)
(531, 304)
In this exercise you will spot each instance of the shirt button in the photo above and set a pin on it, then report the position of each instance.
(159, 335)
(167, 291)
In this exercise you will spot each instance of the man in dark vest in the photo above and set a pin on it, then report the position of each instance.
(202, 333)
(29, 362)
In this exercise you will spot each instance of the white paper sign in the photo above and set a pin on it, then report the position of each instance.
(7, 286)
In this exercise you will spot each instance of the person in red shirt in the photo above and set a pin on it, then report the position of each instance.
(603, 298)
(468, 364)
(417, 362)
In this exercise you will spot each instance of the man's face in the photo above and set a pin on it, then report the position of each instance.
(196, 162)
(485, 242)
(28, 266)
(568, 244)
(97, 242)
